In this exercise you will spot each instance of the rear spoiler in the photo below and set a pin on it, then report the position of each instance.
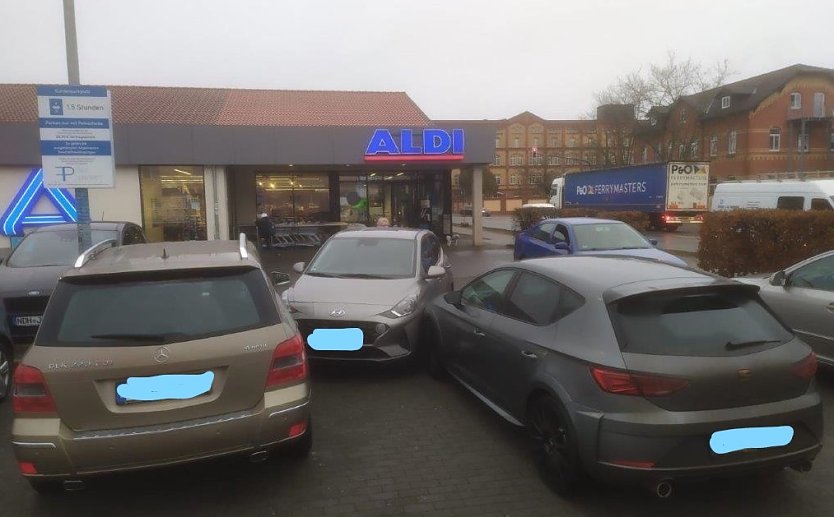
(674, 286)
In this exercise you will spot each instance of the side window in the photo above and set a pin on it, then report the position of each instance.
(488, 291)
(543, 231)
(561, 233)
(130, 236)
(790, 202)
(816, 275)
(429, 252)
(540, 301)
(820, 203)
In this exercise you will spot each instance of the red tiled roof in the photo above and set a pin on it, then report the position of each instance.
(231, 107)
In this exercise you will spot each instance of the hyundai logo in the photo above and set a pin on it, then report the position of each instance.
(160, 355)
(337, 313)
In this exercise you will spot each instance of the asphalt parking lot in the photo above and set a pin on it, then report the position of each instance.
(389, 440)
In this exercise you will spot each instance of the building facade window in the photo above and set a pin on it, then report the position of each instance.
(713, 146)
(572, 141)
(497, 141)
(775, 138)
(516, 160)
(498, 179)
(554, 141)
(515, 179)
(515, 142)
(731, 144)
(683, 116)
(819, 104)
(796, 100)
(802, 144)
(535, 178)
(497, 160)
(645, 154)
(725, 102)
(536, 160)
(535, 141)
(173, 203)
(694, 150)
(681, 151)
(553, 160)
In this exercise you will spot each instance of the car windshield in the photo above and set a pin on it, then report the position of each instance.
(711, 323)
(365, 257)
(53, 248)
(164, 307)
(608, 236)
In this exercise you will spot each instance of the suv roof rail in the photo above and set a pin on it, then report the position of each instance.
(243, 253)
(94, 250)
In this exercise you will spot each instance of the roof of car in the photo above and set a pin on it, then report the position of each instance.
(581, 220)
(95, 225)
(615, 277)
(160, 256)
(381, 232)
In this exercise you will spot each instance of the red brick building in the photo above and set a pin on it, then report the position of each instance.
(773, 125)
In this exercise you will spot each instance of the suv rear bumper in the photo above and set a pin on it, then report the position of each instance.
(59, 452)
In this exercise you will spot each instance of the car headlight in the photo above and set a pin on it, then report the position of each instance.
(285, 297)
(403, 308)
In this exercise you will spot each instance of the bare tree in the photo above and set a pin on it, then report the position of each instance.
(663, 84)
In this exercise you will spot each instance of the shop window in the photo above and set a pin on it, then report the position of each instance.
(294, 197)
(173, 203)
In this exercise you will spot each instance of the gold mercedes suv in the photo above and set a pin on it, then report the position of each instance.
(158, 354)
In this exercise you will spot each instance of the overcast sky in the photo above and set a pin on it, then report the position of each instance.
(469, 59)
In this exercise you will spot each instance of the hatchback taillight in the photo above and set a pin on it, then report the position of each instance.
(624, 383)
(806, 368)
(289, 363)
(30, 392)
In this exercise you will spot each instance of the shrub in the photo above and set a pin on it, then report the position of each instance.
(748, 242)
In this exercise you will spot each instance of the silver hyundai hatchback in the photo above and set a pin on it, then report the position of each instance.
(362, 295)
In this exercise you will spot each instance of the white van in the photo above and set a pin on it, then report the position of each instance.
(790, 195)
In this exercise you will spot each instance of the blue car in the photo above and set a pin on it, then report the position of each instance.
(587, 236)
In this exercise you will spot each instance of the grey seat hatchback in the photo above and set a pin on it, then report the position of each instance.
(632, 370)
(158, 354)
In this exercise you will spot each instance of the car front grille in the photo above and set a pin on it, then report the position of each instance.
(368, 328)
(24, 306)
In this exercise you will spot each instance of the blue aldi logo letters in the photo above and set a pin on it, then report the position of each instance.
(19, 212)
(433, 145)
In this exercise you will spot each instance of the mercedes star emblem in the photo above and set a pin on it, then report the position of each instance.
(337, 313)
(161, 354)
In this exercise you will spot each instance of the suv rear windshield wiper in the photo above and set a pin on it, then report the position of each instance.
(139, 337)
(742, 344)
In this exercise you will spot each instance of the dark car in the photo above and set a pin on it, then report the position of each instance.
(29, 274)
(630, 370)
(586, 236)
(803, 296)
(6, 362)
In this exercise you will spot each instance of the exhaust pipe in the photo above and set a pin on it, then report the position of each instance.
(663, 489)
(803, 466)
(73, 485)
(258, 457)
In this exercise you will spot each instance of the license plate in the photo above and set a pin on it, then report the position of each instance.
(163, 387)
(732, 440)
(27, 321)
(343, 340)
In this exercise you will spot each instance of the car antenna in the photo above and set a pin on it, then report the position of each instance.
(164, 254)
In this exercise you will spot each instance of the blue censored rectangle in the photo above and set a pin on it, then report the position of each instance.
(342, 340)
(76, 148)
(732, 440)
(82, 123)
(72, 91)
(164, 387)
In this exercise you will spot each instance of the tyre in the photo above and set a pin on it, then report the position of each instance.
(6, 366)
(300, 447)
(557, 453)
(430, 342)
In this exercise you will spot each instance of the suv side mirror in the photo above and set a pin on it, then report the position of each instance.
(279, 279)
(298, 267)
(653, 242)
(435, 272)
(454, 298)
(779, 278)
(561, 245)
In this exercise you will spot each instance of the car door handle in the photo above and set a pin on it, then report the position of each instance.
(529, 355)
(479, 333)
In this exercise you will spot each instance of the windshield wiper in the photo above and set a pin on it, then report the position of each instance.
(325, 275)
(362, 275)
(139, 337)
(742, 344)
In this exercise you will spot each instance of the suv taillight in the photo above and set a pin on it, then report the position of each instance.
(289, 363)
(625, 383)
(806, 368)
(30, 392)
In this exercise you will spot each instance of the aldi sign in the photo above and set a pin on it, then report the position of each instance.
(430, 144)
(76, 132)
